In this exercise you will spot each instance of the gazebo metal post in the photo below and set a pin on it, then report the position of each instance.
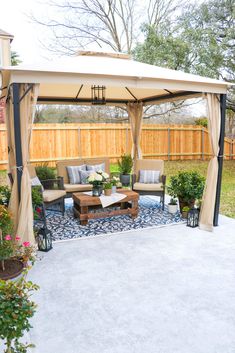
(220, 158)
(17, 133)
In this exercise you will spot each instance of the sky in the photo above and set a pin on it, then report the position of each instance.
(14, 20)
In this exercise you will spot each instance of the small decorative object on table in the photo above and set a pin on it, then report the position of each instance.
(108, 188)
(172, 206)
(44, 239)
(193, 218)
(97, 179)
(115, 180)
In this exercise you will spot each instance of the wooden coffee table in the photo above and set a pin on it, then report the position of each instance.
(83, 203)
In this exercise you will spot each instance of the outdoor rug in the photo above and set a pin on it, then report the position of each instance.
(68, 227)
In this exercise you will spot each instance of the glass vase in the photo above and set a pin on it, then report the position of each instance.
(97, 190)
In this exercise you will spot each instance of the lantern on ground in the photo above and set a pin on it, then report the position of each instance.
(44, 239)
(193, 218)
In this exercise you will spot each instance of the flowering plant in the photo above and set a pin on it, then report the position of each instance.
(12, 248)
(115, 180)
(97, 178)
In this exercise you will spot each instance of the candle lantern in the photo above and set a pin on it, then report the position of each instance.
(98, 95)
(193, 218)
(44, 239)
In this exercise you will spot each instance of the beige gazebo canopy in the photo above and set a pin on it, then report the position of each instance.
(126, 82)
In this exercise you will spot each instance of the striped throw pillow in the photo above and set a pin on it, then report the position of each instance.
(74, 173)
(149, 176)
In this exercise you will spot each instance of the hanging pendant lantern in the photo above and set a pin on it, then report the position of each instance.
(98, 95)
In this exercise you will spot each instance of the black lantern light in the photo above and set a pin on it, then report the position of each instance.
(98, 95)
(44, 239)
(193, 218)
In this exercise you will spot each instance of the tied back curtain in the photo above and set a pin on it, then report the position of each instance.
(135, 112)
(209, 195)
(24, 217)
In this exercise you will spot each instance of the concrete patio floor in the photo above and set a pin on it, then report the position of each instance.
(159, 290)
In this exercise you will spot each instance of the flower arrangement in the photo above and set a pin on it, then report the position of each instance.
(98, 178)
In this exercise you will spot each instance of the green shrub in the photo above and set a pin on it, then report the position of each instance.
(6, 224)
(202, 122)
(186, 186)
(5, 194)
(16, 309)
(125, 164)
(44, 172)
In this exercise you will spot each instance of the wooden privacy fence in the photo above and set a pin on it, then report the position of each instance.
(53, 142)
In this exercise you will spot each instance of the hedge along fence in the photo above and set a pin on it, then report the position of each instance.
(53, 142)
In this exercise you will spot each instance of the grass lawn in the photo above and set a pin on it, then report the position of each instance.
(227, 206)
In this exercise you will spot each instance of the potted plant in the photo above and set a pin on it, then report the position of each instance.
(172, 206)
(108, 188)
(97, 179)
(188, 186)
(114, 180)
(46, 175)
(16, 309)
(5, 194)
(125, 164)
(185, 210)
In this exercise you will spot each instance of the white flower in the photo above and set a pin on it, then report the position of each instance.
(105, 175)
(98, 177)
(91, 178)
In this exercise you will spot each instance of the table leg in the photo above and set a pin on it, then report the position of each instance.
(83, 211)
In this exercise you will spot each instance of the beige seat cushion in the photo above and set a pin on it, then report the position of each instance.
(77, 187)
(148, 187)
(52, 195)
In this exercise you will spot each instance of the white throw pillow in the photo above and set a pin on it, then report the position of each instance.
(36, 182)
(74, 173)
(96, 167)
(149, 176)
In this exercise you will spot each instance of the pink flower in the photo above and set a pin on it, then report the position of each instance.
(8, 237)
(17, 237)
(26, 244)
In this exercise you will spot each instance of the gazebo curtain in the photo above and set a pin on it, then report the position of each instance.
(209, 195)
(24, 217)
(135, 111)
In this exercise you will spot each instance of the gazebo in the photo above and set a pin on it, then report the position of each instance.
(112, 79)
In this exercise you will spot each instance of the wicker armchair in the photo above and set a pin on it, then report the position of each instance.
(53, 193)
(157, 189)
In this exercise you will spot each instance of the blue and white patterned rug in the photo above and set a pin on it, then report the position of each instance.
(150, 214)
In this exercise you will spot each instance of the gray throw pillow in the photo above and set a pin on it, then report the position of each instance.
(84, 174)
(74, 173)
(149, 176)
(96, 167)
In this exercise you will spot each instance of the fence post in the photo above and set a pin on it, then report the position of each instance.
(127, 140)
(202, 144)
(79, 143)
(169, 143)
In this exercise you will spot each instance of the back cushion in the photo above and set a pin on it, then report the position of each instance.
(96, 167)
(74, 173)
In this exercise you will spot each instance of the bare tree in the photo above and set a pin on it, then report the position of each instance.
(106, 23)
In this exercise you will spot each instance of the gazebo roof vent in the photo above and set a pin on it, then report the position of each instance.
(103, 54)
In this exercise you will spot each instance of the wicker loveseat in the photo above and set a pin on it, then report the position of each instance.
(63, 173)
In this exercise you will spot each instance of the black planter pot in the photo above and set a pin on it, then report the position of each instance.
(125, 179)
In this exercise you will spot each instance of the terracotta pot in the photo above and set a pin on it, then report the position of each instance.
(13, 268)
(107, 192)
